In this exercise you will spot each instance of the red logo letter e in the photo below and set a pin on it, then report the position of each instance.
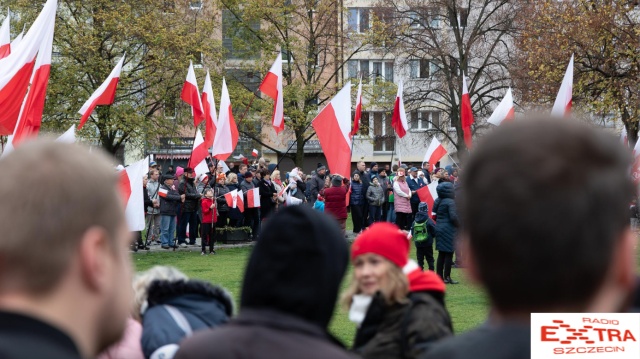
(545, 332)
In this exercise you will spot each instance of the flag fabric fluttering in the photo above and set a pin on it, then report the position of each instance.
(466, 113)
(434, 153)
(199, 153)
(428, 194)
(255, 153)
(332, 126)
(358, 112)
(104, 95)
(69, 136)
(210, 115)
(227, 132)
(234, 200)
(190, 94)
(253, 198)
(564, 100)
(399, 117)
(131, 191)
(272, 87)
(5, 36)
(505, 110)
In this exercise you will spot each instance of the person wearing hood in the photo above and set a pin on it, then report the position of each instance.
(316, 184)
(188, 214)
(174, 308)
(335, 201)
(356, 202)
(423, 231)
(283, 314)
(392, 324)
(446, 229)
(375, 197)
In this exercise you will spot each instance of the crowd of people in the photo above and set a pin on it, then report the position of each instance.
(540, 233)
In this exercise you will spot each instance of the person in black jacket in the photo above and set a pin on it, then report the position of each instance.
(170, 201)
(189, 208)
(447, 224)
(223, 208)
(267, 194)
(147, 203)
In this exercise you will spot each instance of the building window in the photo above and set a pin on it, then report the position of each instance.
(425, 120)
(460, 17)
(287, 56)
(383, 135)
(388, 71)
(365, 124)
(423, 68)
(420, 18)
(196, 57)
(359, 19)
(374, 69)
(195, 5)
(364, 70)
(352, 69)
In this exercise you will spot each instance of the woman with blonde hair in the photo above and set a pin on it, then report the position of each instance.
(390, 325)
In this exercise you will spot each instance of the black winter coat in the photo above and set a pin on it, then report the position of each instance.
(221, 202)
(316, 186)
(169, 204)
(188, 188)
(447, 218)
(266, 197)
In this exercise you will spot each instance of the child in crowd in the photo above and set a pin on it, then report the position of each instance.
(319, 204)
(208, 219)
(423, 230)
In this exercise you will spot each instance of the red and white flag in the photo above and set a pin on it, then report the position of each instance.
(505, 110)
(358, 112)
(17, 40)
(162, 192)
(466, 114)
(562, 106)
(210, 115)
(16, 69)
(234, 200)
(5, 36)
(104, 95)
(227, 133)
(191, 95)
(253, 198)
(623, 137)
(255, 153)
(131, 188)
(399, 118)
(435, 152)
(199, 153)
(428, 194)
(69, 136)
(332, 126)
(272, 87)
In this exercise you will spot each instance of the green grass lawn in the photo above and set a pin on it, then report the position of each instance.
(465, 303)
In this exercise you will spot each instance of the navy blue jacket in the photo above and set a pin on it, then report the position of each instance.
(413, 186)
(447, 218)
(357, 194)
(202, 304)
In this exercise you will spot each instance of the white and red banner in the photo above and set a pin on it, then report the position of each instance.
(16, 69)
(69, 136)
(255, 153)
(104, 95)
(428, 195)
(332, 126)
(564, 100)
(199, 153)
(234, 200)
(434, 153)
(399, 117)
(227, 133)
(466, 114)
(272, 87)
(131, 188)
(253, 198)
(190, 94)
(505, 110)
(162, 192)
(210, 115)
(358, 112)
(5, 36)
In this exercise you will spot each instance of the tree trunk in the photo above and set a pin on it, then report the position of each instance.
(299, 159)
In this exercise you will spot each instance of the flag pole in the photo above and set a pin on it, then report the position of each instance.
(452, 160)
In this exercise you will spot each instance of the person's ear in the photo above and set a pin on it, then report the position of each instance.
(95, 253)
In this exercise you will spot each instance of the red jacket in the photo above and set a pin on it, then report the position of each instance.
(335, 202)
(207, 212)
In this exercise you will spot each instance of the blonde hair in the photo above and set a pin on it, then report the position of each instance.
(275, 173)
(395, 290)
(232, 176)
(142, 281)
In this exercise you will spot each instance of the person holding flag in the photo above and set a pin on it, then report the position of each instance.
(170, 201)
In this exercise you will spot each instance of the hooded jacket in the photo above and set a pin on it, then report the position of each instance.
(202, 305)
(279, 318)
(335, 201)
(447, 217)
(192, 197)
(421, 216)
(375, 195)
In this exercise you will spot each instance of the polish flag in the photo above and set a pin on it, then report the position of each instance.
(210, 116)
(16, 69)
(292, 201)
(399, 118)
(358, 113)
(255, 153)
(562, 106)
(272, 87)
(435, 152)
(234, 200)
(131, 191)
(104, 95)
(5, 36)
(69, 136)
(253, 198)
(623, 137)
(17, 40)
(428, 194)
(199, 153)
(191, 96)
(466, 114)
(505, 110)
(227, 133)
(162, 192)
(332, 126)
(285, 188)
(30, 118)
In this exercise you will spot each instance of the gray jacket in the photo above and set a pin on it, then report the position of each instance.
(375, 195)
(152, 190)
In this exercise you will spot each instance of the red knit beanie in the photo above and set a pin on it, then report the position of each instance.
(422, 281)
(383, 239)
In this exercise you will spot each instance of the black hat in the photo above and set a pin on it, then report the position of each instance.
(248, 174)
(320, 167)
(373, 164)
(166, 177)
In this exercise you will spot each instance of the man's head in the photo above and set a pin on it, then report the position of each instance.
(231, 165)
(242, 168)
(153, 164)
(545, 212)
(75, 270)
(154, 175)
(361, 166)
(189, 173)
(248, 176)
(321, 170)
(374, 167)
(425, 165)
(387, 168)
(168, 180)
(413, 171)
(170, 169)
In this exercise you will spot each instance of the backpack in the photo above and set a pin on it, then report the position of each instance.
(420, 231)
